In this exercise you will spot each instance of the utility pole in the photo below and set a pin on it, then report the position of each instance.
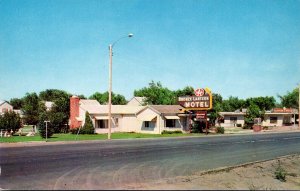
(110, 83)
(109, 91)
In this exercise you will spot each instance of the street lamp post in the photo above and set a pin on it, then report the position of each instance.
(110, 82)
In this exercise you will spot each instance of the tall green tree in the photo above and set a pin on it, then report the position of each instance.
(102, 98)
(44, 116)
(60, 111)
(88, 127)
(30, 108)
(16, 103)
(264, 103)
(232, 104)
(186, 91)
(156, 94)
(217, 107)
(10, 121)
(290, 99)
(253, 111)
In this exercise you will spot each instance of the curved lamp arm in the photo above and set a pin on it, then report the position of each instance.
(129, 35)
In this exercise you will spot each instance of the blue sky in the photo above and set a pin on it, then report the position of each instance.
(239, 48)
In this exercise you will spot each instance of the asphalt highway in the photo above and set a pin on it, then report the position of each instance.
(117, 164)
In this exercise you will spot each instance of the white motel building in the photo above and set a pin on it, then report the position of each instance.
(154, 119)
(132, 117)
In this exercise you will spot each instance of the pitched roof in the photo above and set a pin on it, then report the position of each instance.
(2, 102)
(89, 105)
(139, 100)
(120, 109)
(167, 108)
(94, 107)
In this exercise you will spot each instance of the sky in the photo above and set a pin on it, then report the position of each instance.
(236, 48)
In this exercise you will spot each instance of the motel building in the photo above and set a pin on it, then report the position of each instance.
(277, 117)
(136, 117)
(133, 117)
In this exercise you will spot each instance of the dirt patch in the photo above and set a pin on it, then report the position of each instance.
(254, 176)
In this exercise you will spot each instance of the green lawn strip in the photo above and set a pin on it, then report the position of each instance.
(72, 137)
(17, 138)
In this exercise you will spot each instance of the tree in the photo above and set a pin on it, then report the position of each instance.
(10, 121)
(217, 107)
(42, 125)
(88, 127)
(253, 111)
(60, 111)
(31, 108)
(16, 103)
(102, 98)
(232, 104)
(290, 100)
(52, 94)
(156, 94)
(264, 103)
(186, 91)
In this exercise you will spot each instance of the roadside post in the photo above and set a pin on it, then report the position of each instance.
(46, 129)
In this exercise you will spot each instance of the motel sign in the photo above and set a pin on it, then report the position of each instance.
(201, 101)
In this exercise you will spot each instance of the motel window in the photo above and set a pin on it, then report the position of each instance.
(233, 119)
(102, 124)
(116, 122)
(147, 123)
(170, 123)
(273, 119)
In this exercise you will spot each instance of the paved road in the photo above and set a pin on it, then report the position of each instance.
(117, 164)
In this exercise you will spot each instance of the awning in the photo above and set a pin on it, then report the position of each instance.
(79, 119)
(101, 117)
(146, 117)
(172, 117)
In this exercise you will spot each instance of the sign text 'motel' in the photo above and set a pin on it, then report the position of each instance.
(202, 101)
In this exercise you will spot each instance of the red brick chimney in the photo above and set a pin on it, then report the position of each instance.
(74, 112)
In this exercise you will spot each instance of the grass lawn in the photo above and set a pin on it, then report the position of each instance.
(72, 137)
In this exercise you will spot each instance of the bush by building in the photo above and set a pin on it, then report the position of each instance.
(220, 130)
(171, 132)
(87, 128)
(42, 126)
(10, 121)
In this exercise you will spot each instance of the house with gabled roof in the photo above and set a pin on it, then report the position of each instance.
(5, 107)
(128, 118)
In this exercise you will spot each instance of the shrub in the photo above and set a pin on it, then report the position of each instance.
(74, 130)
(10, 121)
(239, 125)
(265, 127)
(171, 132)
(87, 128)
(220, 130)
(280, 173)
(247, 126)
(195, 128)
(42, 129)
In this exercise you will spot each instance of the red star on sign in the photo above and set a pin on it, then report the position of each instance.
(199, 92)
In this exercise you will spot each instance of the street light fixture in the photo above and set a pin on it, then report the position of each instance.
(110, 82)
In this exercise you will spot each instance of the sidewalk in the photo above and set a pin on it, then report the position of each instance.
(239, 130)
